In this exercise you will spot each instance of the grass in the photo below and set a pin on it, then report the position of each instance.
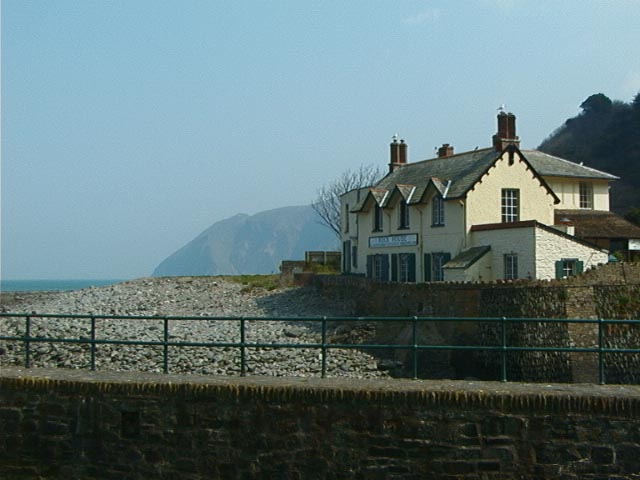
(267, 282)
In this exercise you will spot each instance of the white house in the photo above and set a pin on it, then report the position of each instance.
(486, 214)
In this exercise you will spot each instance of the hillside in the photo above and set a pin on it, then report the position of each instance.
(254, 244)
(604, 136)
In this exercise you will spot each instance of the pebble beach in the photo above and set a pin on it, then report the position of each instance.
(193, 297)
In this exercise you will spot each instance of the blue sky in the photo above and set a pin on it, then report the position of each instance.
(128, 127)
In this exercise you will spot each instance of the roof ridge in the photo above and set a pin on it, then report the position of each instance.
(569, 161)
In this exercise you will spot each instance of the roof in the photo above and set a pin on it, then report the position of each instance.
(550, 166)
(468, 257)
(533, 224)
(455, 175)
(598, 224)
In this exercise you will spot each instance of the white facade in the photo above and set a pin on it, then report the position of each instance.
(477, 216)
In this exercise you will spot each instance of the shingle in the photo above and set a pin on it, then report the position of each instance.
(550, 166)
(598, 224)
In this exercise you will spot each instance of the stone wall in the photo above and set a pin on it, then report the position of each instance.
(610, 291)
(69, 424)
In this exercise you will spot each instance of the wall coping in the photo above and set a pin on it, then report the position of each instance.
(621, 400)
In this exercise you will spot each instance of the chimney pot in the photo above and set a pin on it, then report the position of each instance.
(506, 131)
(445, 150)
(398, 151)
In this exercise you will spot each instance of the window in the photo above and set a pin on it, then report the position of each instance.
(437, 211)
(586, 195)
(403, 267)
(568, 267)
(378, 267)
(510, 266)
(434, 266)
(346, 259)
(404, 215)
(346, 218)
(377, 219)
(510, 205)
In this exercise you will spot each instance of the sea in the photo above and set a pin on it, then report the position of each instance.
(52, 285)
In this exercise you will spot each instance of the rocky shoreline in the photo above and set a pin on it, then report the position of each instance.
(185, 296)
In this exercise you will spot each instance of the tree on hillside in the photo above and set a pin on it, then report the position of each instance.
(327, 203)
(604, 136)
(597, 103)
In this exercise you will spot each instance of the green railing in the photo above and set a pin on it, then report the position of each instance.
(501, 325)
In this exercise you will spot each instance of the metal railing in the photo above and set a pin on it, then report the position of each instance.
(501, 327)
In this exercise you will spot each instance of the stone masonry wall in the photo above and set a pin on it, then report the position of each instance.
(63, 424)
(610, 291)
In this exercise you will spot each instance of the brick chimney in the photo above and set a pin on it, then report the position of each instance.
(506, 131)
(398, 154)
(445, 150)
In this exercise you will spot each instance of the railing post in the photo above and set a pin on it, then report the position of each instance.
(323, 350)
(93, 343)
(504, 348)
(600, 354)
(165, 347)
(27, 342)
(243, 350)
(415, 348)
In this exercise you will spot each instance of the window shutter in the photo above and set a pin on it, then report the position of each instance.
(579, 266)
(394, 267)
(385, 268)
(369, 266)
(559, 269)
(427, 267)
(446, 258)
(412, 268)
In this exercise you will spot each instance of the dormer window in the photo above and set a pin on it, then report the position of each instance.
(437, 213)
(377, 218)
(586, 195)
(404, 220)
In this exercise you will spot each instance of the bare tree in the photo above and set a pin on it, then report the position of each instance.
(327, 203)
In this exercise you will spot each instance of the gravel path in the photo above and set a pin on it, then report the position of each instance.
(184, 296)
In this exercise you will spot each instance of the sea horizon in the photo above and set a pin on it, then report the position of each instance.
(43, 285)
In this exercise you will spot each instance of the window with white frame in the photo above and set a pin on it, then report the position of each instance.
(510, 205)
(437, 211)
(586, 195)
(439, 259)
(511, 266)
(377, 218)
(404, 220)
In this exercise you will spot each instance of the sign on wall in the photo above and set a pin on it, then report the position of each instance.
(634, 244)
(406, 240)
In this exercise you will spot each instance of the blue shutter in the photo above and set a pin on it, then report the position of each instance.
(369, 266)
(427, 267)
(394, 267)
(579, 266)
(385, 268)
(559, 269)
(412, 267)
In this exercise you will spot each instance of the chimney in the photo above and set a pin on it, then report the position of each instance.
(506, 131)
(445, 150)
(398, 154)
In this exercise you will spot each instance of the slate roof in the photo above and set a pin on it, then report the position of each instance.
(455, 175)
(550, 166)
(468, 257)
(598, 224)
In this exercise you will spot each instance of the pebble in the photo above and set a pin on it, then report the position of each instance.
(194, 297)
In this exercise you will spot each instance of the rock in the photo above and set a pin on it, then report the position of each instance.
(191, 296)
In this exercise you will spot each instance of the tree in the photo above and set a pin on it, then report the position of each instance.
(633, 215)
(327, 203)
(596, 103)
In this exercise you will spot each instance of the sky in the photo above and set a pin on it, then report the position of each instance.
(130, 126)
